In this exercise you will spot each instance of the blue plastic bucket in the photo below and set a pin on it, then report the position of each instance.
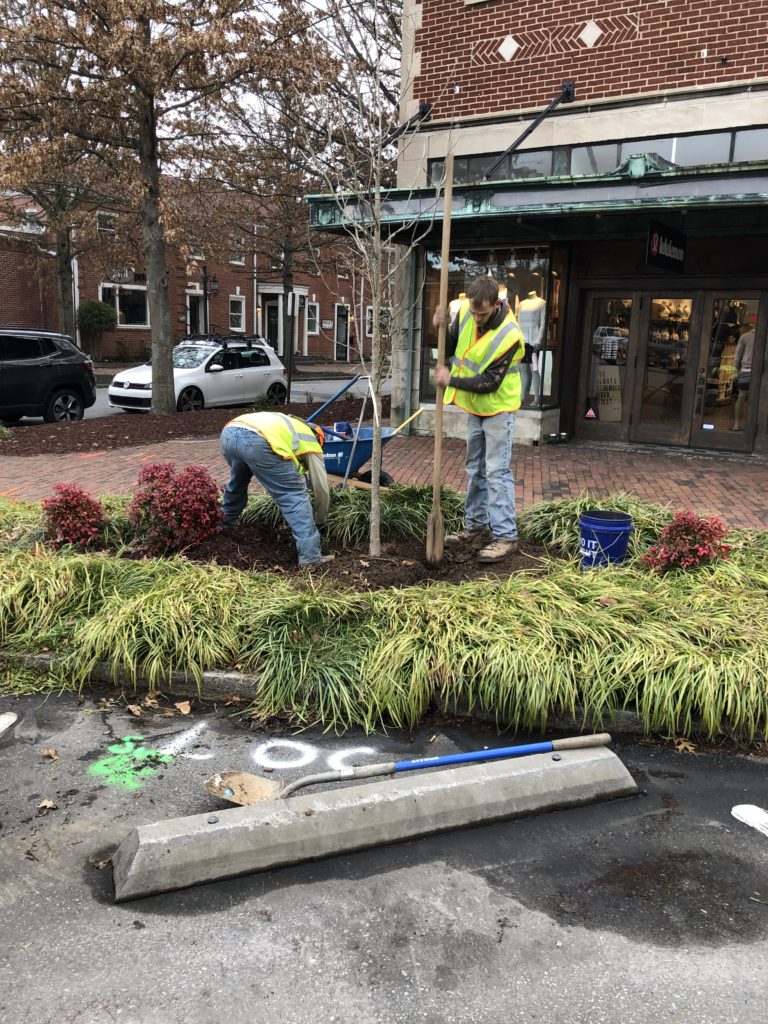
(603, 538)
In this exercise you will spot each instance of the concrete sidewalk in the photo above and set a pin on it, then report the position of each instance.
(734, 486)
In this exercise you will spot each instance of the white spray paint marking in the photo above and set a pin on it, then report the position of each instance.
(7, 719)
(184, 739)
(336, 761)
(753, 816)
(303, 754)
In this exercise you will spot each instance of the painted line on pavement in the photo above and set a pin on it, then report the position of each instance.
(753, 816)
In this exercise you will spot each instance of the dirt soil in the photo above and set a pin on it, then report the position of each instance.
(402, 563)
(134, 430)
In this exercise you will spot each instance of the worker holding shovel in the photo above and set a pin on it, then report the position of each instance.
(486, 346)
(279, 450)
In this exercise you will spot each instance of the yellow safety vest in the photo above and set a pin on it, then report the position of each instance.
(287, 436)
(474, 355)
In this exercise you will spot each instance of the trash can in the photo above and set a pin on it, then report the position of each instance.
(603, 538)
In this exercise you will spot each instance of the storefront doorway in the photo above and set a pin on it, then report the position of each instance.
(673, 368)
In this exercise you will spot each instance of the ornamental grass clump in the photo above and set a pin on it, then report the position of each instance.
(171, 511)
(73, 517)
(688, 541)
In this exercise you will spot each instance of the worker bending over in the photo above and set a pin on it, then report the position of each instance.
(280, 451)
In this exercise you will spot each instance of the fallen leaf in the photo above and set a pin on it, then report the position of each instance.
(150, 701)
(135, 710)
(685, 746)
(364, 563)
(233, 698)
(44, 806)
(183, 706)
(408, 561)
(168, 714)
(99, 862)
(50, 752)
(607, 602)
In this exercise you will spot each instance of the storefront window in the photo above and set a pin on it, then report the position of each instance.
(609, 334)
(666, 358)
(530, 282)
(729, 364)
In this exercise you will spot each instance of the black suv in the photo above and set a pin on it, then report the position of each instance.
(43, 374)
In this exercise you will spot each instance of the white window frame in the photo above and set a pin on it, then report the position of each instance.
(106, 218)
(238, 245)
(369, 321)
(316, 307)
(118, 288)
(241, 300)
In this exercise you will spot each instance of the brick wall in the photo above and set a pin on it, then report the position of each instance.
(27, 291)
(636, 48)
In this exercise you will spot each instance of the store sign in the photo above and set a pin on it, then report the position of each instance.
(666, 247)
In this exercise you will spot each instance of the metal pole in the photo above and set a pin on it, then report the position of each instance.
(205, 299)
(566, 96)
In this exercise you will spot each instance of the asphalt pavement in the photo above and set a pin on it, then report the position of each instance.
(640, 911)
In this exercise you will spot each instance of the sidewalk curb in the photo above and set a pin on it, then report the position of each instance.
(219, 684)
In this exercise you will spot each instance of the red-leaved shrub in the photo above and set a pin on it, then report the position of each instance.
(689, 540)
(72, 516)
(173, 511)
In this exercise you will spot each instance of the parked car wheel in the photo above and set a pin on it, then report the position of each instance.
(64, 406)
(277, 394)
(190, 400)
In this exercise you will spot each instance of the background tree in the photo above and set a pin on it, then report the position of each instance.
(140, 80)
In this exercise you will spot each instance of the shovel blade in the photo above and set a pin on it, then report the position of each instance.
(242, 788)
(435, 535)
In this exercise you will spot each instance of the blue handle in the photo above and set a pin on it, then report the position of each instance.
(333, 398)
(475, 755)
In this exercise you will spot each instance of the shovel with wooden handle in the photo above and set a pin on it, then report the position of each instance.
(435, 530)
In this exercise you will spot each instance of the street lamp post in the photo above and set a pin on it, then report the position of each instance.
(210, 290)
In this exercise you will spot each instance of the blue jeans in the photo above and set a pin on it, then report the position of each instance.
(249, 455)
(491, 485)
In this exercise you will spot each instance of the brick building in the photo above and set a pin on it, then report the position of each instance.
(628, 228)
(245, 295)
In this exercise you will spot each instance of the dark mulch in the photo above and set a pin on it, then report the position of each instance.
(129, 430)
(402, 563)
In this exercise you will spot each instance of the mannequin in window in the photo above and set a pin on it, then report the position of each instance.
(743, 364)
(531, 316)
(455, 304)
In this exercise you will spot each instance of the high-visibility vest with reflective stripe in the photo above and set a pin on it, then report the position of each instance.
(287, 436)
(474, 355)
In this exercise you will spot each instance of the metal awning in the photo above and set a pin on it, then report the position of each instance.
(644, 184)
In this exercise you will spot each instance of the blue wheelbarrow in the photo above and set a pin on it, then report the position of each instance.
(348, 448)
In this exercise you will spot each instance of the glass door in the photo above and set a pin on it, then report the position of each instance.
(665, 370)
(608, 353)
(727, 379)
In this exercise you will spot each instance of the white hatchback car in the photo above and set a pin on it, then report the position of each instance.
(208, 371)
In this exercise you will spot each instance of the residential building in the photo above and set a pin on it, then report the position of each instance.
(244, 295)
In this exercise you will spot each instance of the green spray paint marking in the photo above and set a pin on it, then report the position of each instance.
(130, 763)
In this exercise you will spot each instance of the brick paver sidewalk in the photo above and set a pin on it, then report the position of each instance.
(733, 485)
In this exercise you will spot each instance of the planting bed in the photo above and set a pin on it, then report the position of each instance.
(129, 431)
(402, 563)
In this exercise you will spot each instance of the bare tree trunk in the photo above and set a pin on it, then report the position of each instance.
(163, 396)
(64, 282)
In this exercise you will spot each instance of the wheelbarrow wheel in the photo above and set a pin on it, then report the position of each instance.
(385, 480)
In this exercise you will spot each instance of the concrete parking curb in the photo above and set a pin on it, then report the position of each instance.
(208, 847)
